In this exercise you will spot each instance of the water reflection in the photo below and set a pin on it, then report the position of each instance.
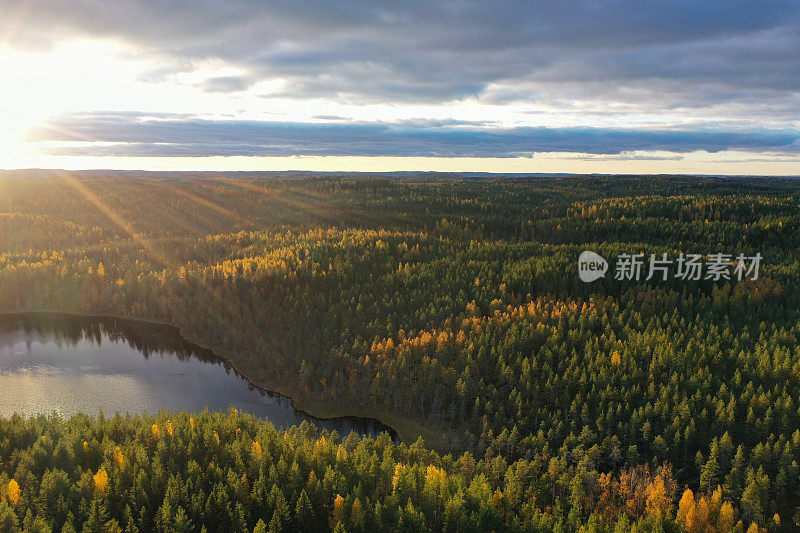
(68, 364)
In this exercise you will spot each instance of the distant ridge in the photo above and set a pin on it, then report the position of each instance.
(284, 174)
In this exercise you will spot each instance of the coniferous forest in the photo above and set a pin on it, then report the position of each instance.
(449, 308)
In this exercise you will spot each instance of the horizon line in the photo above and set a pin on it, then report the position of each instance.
(30, 170)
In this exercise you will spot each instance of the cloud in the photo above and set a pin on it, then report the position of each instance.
(226, 84)
(130, 135)
(686, 52)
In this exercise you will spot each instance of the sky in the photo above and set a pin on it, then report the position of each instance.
(613, 86)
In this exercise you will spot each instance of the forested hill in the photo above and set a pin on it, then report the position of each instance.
(449, 308)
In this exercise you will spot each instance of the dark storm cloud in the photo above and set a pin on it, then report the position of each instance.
(439, 51)
(144, 136)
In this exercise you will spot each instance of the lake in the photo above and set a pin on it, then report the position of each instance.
(68, 364)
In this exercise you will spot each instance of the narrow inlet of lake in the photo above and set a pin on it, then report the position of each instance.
(66, 364)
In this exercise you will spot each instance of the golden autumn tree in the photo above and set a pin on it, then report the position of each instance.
(753, 528)
(687, 511)
(436, 481)
(399, 468)
(338, 510)
(341, 453)
(255, 449)
(726, 518)
(609, 501)
(715, 503)
(119, 458)
(498, 501)
(13, 492)
(702, 514)
(100, 481)
(659, 500)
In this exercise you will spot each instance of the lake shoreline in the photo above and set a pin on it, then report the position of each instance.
(297, 406)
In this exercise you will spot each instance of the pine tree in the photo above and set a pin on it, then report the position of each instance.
(8, 519)
(304, 512)
(710, 473)
(752, 510)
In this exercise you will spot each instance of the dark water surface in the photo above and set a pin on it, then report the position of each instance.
(52, 362)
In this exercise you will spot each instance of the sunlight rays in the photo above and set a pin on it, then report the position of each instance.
(127, 227)
(227, 213)
(225, 311)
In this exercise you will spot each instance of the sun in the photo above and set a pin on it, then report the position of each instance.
(22, 98)
(72, 77)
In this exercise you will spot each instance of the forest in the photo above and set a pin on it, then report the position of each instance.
(447, 307)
